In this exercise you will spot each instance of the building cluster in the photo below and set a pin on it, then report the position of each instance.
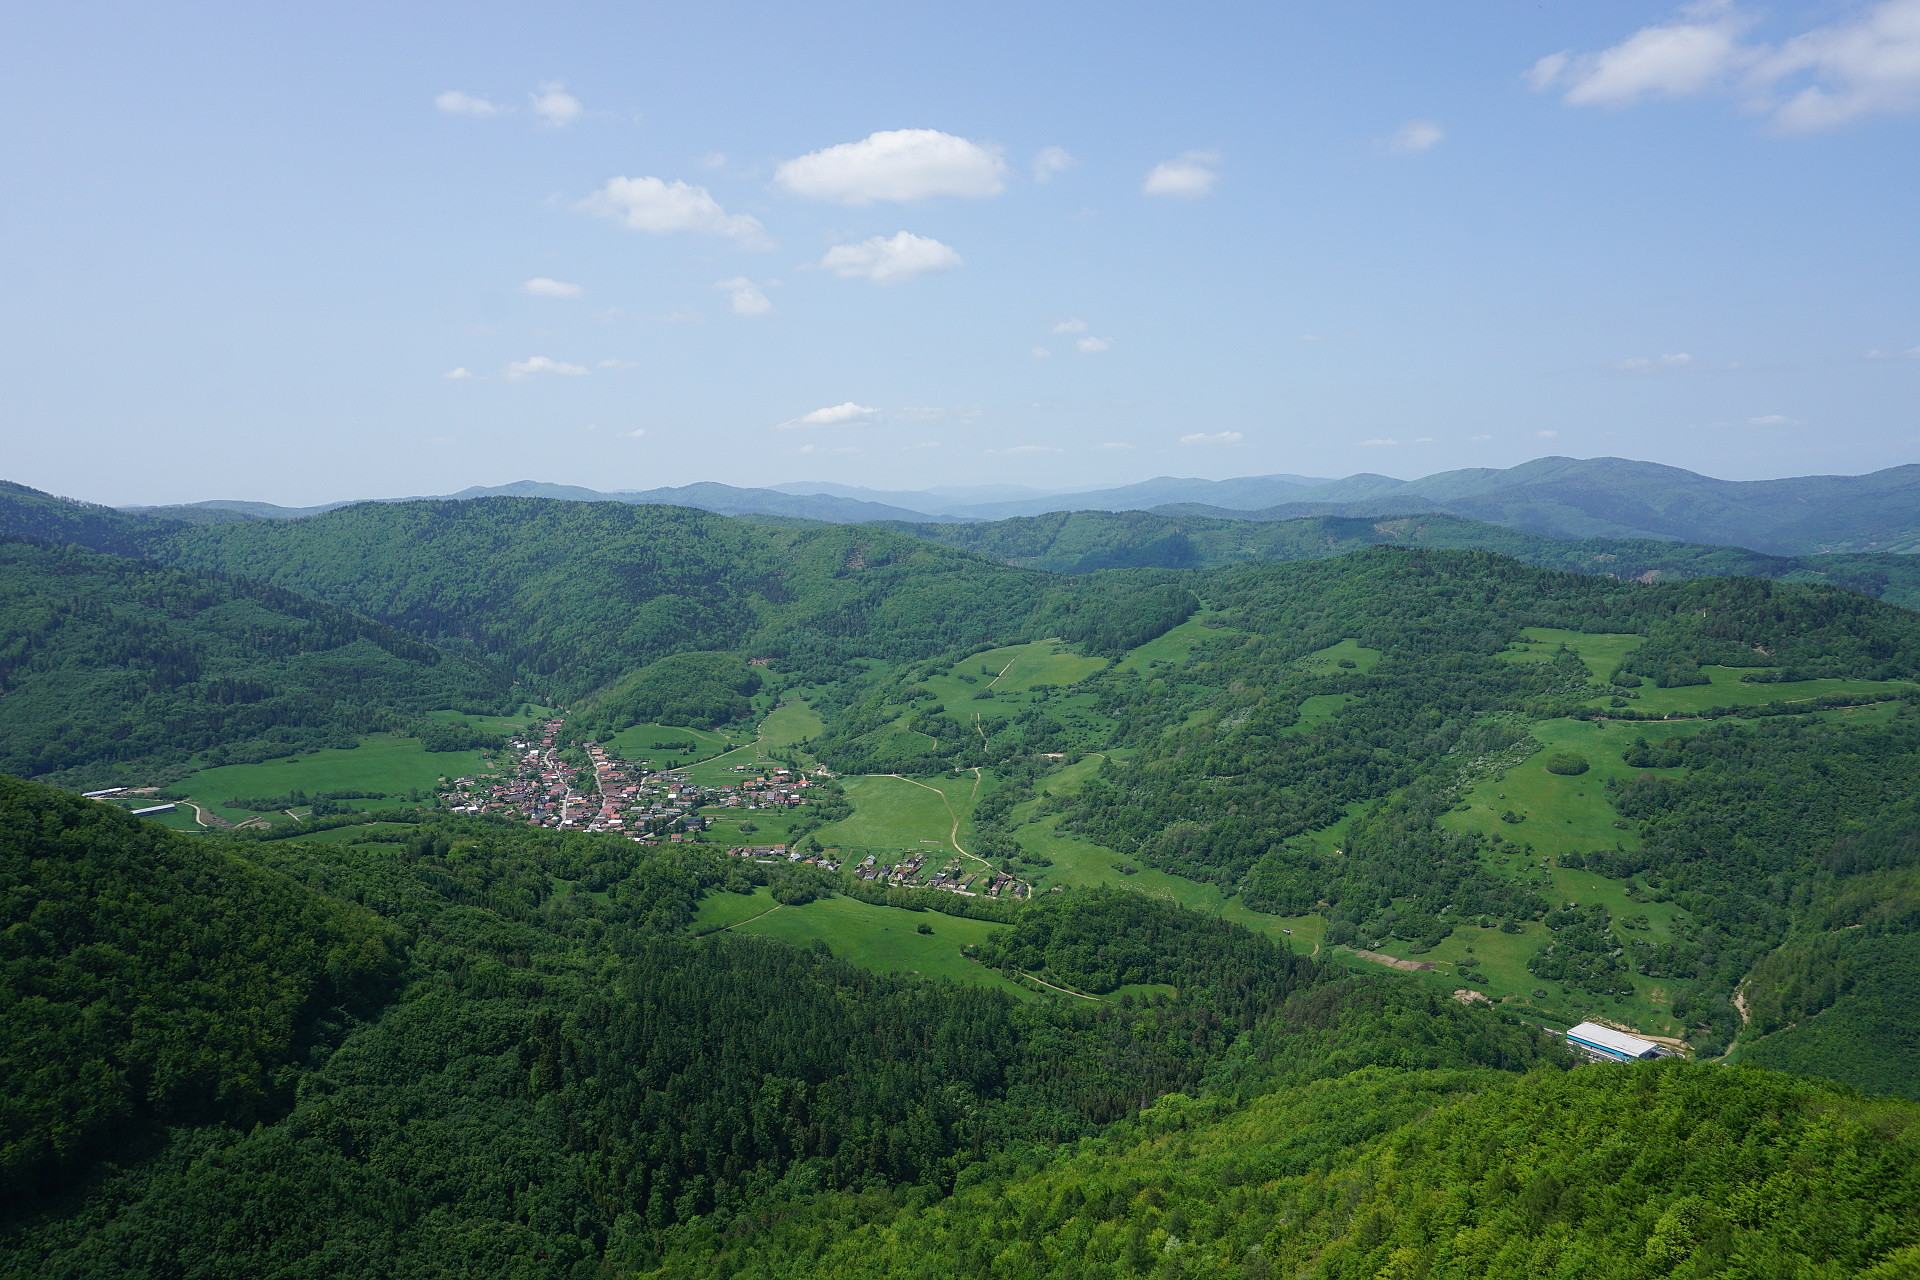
(609, 794)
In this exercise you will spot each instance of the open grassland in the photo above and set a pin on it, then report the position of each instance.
(1327, 661)
(725, 910)
(382, 762)
(1728, 690)
(637, 743)
(899, 813)
(1601, 651)
(885, 939)
(1175, 647)
(486, 724)
(1320, 706)
(789, 724)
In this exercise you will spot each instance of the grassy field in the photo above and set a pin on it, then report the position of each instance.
(1174, 647)
(381, 762)
(1601, 651)
(636, 743)
(1728, 690)
(883, 939)
(900, 814)
(1328, 660)
(396, 832)
(725, 910)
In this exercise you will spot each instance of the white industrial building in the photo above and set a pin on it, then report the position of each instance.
(1604, 1044)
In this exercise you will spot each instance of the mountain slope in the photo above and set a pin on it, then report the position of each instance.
(1089, 541)
(110, 665)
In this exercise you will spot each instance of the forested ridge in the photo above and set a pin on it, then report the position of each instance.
(457, 1046)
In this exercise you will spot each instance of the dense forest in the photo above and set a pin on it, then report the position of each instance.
(457, 1045)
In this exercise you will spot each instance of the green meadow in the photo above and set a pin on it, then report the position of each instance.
(1175, 647)
(900, 813)
(883, 939)
(636, 743)
(1601, 651)
(1327, 661)
(382, 762)
(1728, 690)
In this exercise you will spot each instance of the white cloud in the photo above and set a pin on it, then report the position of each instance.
(1424, 440)
(713, 160)
(1772, 420)
(1041, 353)
(1116, 444)
(618, 364)
(1028, 449)
(636, 433)
(649, 204)
(1912, 353)
(895, 164)
(886, 260)
(838, 415)
(1071, 326)
(1416, 135)
(1866, 64)
(747, 297)
(1477, 439)
(456, 103)
(1093, 346)
(1050, 161)
(457, 375)
(812, 447)
(1678, 360)
(1367, 443)
(1546, 435)
(521, 370)
(555, 105)
(541, 287)
(1213, 437)
(1188, 177)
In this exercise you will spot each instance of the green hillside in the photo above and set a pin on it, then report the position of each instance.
(113, 669)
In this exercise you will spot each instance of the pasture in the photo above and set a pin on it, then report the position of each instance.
(382, 762)
(881, 939)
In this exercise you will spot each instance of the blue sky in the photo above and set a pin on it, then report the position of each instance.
(246, 245)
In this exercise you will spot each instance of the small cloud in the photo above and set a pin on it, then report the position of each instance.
(713, 160)
(1673, 361)
(1189, 177)
(1071, 326)
(555, 105)
(1115, 444)
(812, 447)
(439, 440)
(1424, 440)
(1772, 420)
(926, 444)
(896, 164)
(839, 415)
(747, 297)
(1911, 353)
(661, 208)
(1416, 135)
(1312, 337)
(1050, 161)
(1213, 437)
(521, 370)
(885, 260)
(1041, 353)
(1546, 435)
(611, 363)
(1028, 448)
(1376, 443)
(1093, 346)
(541, 287)
(456, 103)
(457, 375)
(636, 433)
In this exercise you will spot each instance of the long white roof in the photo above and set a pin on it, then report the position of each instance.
(1608, 1038)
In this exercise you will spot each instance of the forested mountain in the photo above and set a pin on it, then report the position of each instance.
(1088, 541)
(109, 664)
(1619, 498)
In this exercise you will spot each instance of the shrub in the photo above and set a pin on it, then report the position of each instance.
(1567, 763)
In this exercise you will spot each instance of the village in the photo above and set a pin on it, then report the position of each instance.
(611, 795)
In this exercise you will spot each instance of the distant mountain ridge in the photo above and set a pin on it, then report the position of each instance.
(1554, 497)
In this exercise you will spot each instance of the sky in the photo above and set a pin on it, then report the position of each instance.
(308, 253)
